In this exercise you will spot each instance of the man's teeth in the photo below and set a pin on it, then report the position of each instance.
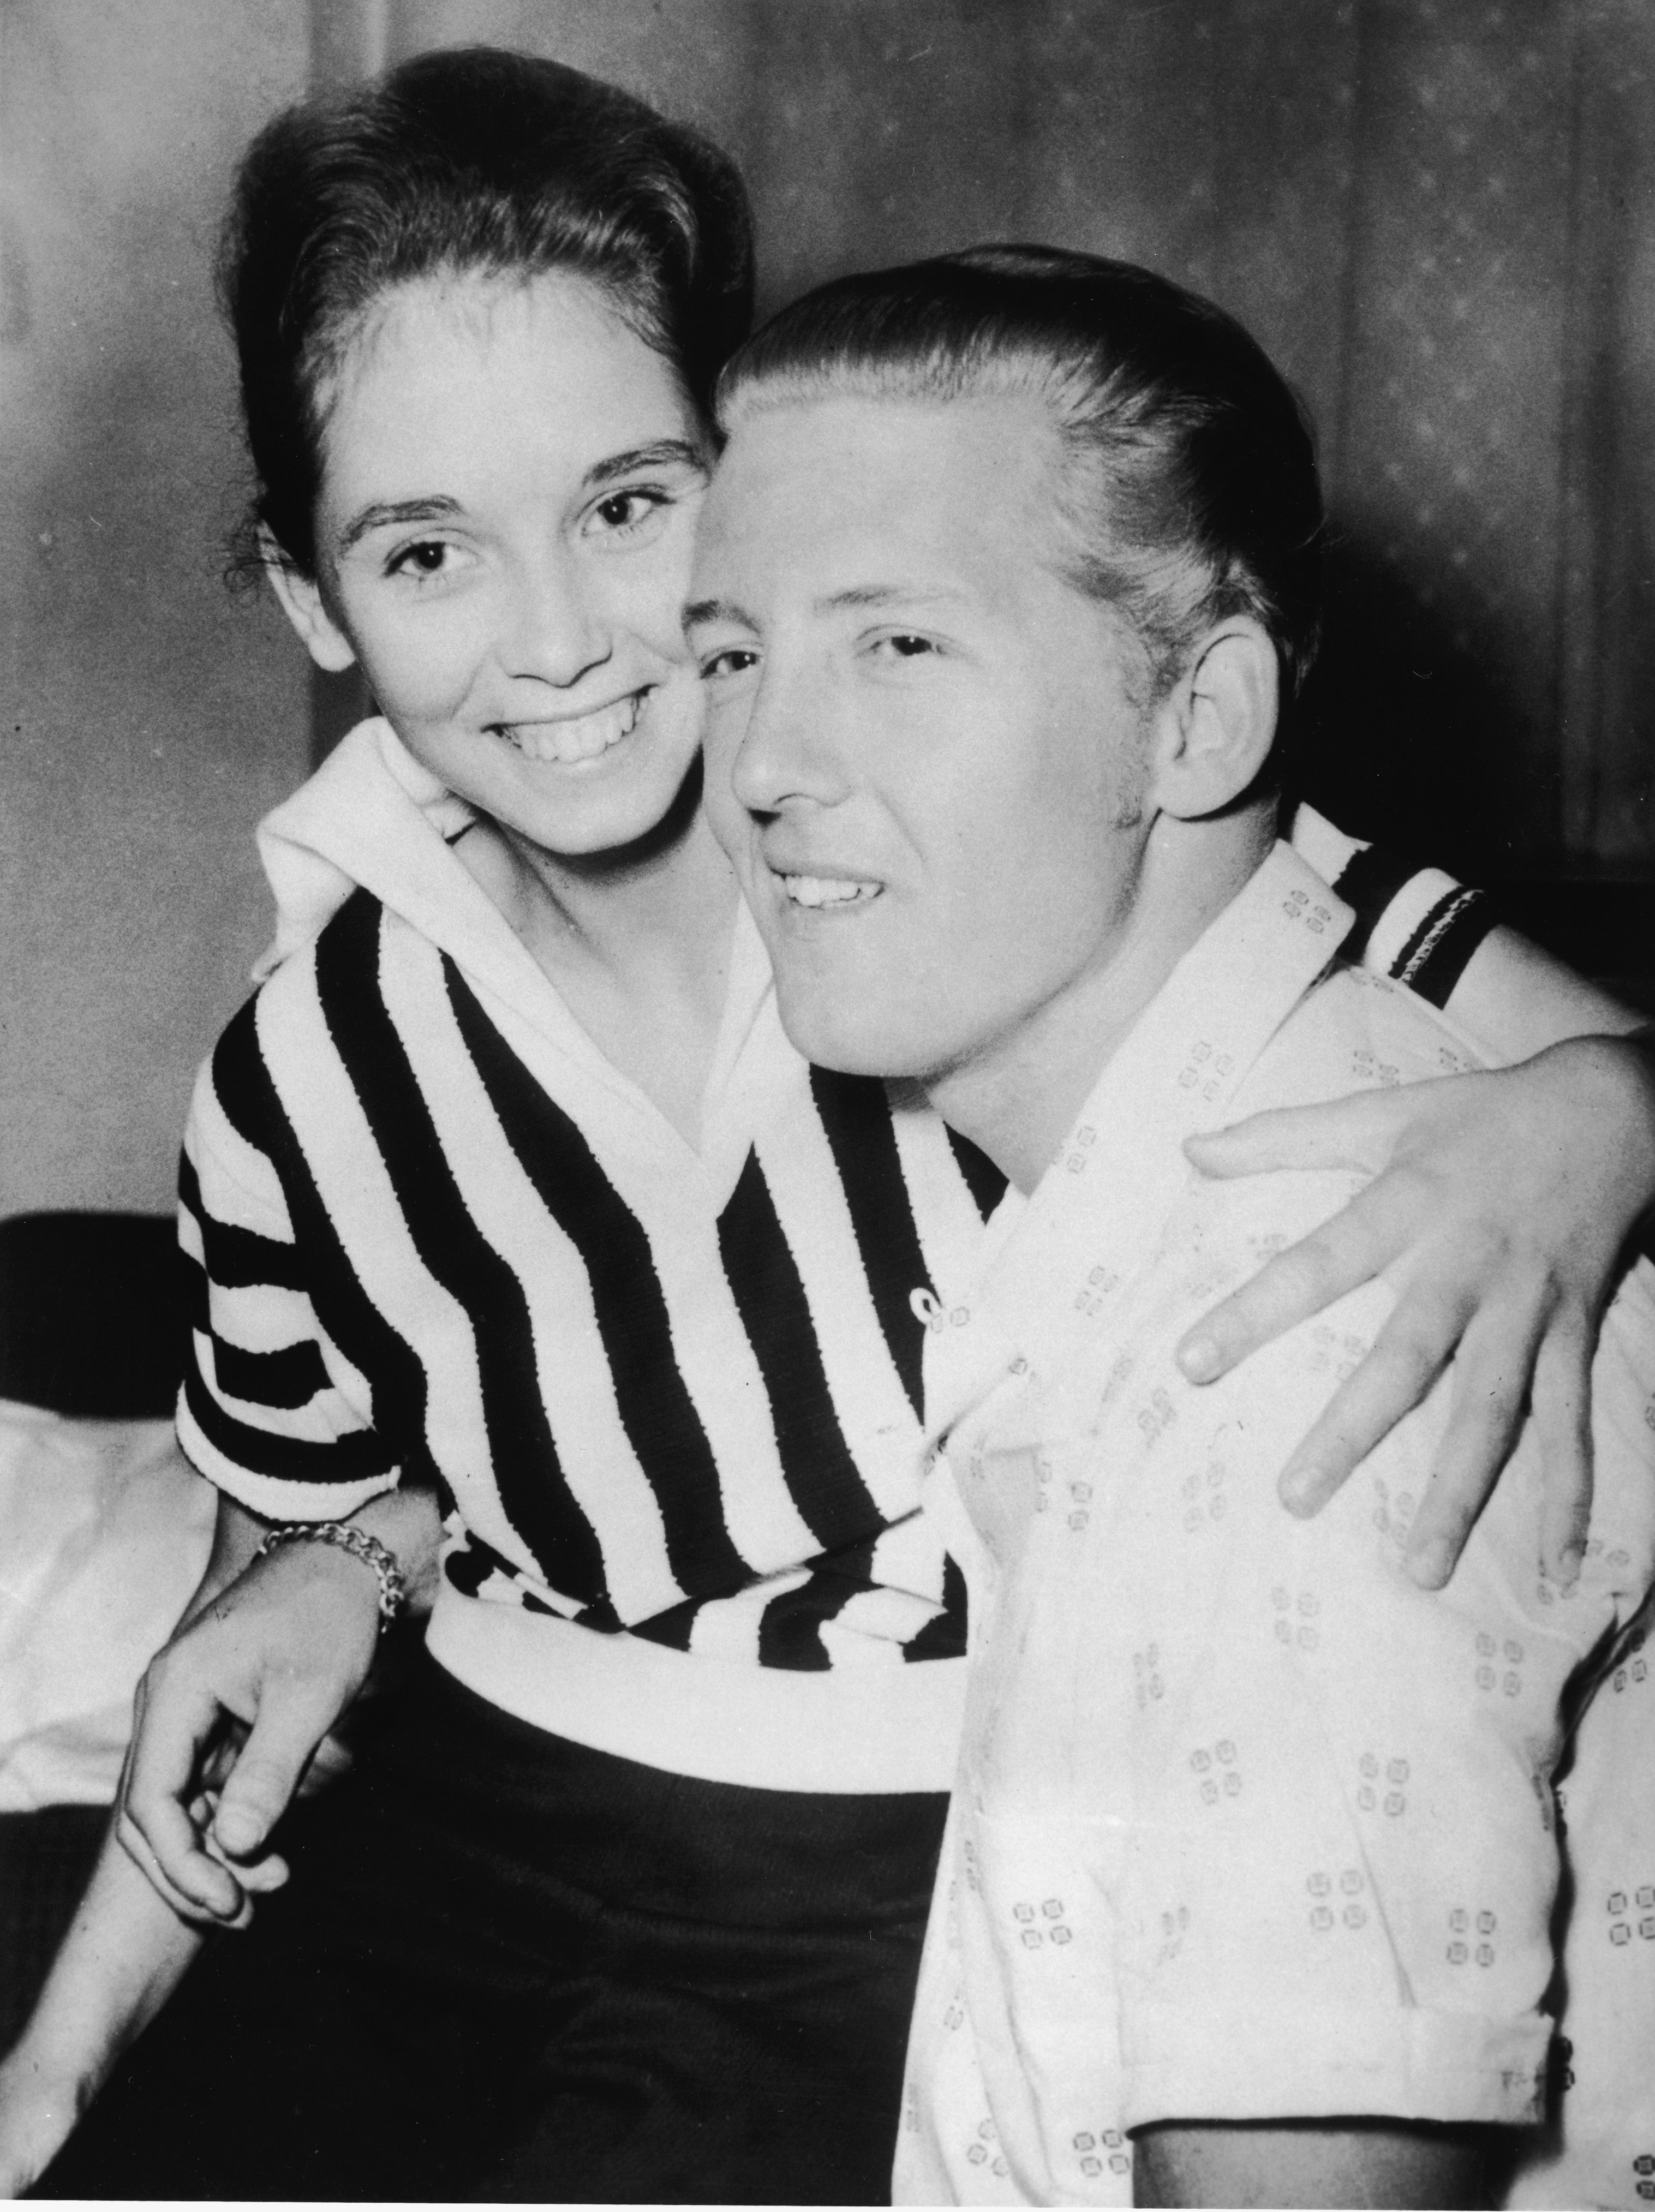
(826, 891)
(582, 739)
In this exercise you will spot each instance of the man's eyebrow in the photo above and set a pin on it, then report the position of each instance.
(383, 513)
(725, 611)
(665, 454)
(852, 596)
(891, 595)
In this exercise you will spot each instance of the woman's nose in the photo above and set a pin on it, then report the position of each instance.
(555, 626)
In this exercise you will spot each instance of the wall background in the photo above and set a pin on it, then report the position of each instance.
(1438, 215)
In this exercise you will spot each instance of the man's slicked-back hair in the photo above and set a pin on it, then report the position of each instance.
(1186, 491)
(467, 161)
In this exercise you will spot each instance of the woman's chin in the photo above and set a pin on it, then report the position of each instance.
(616, 822)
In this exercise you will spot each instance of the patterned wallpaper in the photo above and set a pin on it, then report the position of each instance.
(1439, 215)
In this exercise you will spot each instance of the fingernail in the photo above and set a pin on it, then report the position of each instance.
(1301, 1491)
(238, 1830)
(1430, 1566)
(1569, 1567)
(1200, 1359)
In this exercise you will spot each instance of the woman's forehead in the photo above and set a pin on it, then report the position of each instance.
(467, 363)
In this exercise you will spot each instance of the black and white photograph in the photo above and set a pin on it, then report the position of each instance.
(827, 1102)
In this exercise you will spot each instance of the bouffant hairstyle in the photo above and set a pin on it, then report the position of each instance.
(466, 162)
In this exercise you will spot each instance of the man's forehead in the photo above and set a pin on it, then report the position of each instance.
(788, 436)
(931, 485)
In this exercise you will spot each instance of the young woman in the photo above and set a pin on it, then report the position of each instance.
(508, 1194)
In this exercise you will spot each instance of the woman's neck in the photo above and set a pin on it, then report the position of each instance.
(637, 944)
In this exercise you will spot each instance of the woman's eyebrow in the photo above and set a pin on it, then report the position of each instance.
(382, 512)
(666, 453)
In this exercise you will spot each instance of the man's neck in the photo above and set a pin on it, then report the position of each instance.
(1018, 1098)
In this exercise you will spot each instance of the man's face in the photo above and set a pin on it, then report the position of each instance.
(922, 753)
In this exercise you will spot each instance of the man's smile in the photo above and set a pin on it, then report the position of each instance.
(813, 890)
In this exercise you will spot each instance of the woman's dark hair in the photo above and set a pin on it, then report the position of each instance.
(1187, 488)
(468, 160)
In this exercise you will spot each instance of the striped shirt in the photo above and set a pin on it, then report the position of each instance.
(671, 1397)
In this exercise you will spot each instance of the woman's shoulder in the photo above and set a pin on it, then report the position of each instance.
(294, 1015)
(342, 954)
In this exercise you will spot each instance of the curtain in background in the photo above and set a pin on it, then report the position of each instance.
(1438, 215)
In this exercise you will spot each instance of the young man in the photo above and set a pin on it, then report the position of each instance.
(1008, 566)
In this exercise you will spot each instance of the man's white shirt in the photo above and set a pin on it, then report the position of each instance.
(1246, 1826)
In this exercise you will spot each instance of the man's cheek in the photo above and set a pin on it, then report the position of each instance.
(718, 751)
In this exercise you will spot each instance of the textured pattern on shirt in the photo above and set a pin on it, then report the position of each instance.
(1247, 1825)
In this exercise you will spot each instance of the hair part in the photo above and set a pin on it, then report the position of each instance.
(471, 162)
(1185, 490)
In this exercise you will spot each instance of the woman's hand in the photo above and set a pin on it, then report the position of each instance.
(1499, 1209)
(229, 1718)
(233, 1714)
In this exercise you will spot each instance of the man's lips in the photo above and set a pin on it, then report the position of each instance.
(574, 737)
(816, 889)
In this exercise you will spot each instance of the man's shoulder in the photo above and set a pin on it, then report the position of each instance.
(1354, 1031)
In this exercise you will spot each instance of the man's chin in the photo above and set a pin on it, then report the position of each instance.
(855, 1040)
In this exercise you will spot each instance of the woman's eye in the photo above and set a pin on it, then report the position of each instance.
(734, 660)
(428, 558)
(626, 510)
(904, 645)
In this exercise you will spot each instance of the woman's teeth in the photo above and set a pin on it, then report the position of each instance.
(826, 891)
(581, 738)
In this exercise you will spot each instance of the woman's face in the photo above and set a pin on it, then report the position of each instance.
(509, 488)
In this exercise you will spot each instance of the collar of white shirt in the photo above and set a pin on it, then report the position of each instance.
(1042, 1287)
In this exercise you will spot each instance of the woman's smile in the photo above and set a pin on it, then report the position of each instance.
(511, 481)
(572, 739)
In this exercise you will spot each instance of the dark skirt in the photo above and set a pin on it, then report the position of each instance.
(510, 1967)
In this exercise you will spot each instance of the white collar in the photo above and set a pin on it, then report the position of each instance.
(1121, 1167)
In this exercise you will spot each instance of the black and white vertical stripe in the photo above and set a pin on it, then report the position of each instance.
(655, 1407)
(1414, 925)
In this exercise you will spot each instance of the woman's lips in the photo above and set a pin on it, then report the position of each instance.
(577, 737)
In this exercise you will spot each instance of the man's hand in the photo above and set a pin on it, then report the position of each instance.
(36, 2115)
(124, 1955)
(1500, 1210)
(229, 1718)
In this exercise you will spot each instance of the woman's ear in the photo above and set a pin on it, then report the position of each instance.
(301, 597)
(1215, 729)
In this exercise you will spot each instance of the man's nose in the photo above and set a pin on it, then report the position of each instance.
(555, 626)
(791, 750)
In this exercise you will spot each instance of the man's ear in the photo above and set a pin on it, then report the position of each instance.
(301, 597)
(1215, 728)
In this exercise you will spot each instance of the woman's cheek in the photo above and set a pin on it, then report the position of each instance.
(652, 593)
(433, 662)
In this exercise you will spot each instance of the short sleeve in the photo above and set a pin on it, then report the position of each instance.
(1416, 925)
(271, 1409)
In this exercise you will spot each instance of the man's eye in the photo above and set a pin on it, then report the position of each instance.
(904, 645)
(734, 660)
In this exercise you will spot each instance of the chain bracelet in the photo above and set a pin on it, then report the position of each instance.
(393, 1588)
